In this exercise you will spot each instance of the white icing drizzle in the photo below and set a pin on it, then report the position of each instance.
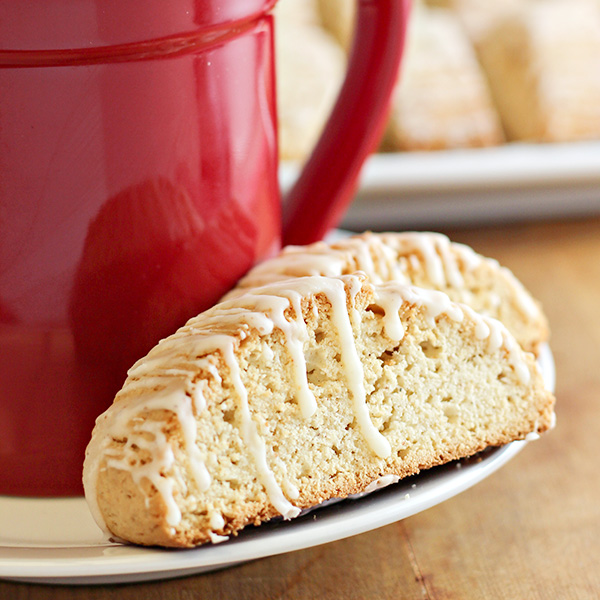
(392, 324)
(198, 399)
(296, 335)
(216, 521)
(175, 399)
(392, 295)
(353, 370)
(443, 260)
(525, 301)
(498, 336)
(334, 289)
(124, 422)
(440, 265)
(381, 482)
(152, 385)
(291, 491)
(377, 484)
(255, 443)
(378, 256)
(268, 353)
(207, 365)
(364, 261)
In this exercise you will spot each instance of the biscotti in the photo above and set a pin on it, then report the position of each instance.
(479, 73)
(477, 17)
(428, 260)
(297, 13)
(310, 70)
(299, 392)
(442, 100)
(543, 65)
(338, 17)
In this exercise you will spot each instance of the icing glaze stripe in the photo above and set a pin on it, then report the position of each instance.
(255, 443)
(353, 371)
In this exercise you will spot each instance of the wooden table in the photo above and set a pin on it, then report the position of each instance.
(531, 530)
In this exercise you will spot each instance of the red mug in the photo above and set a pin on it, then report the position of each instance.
(138, 182)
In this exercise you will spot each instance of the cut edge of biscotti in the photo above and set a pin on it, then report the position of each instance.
(425, 259)
(299, 392)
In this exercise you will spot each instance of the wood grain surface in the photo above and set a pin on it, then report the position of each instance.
(530, 531)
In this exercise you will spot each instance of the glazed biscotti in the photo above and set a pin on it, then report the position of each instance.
(428, 260)
(298, 392)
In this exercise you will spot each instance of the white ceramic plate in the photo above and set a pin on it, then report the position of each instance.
(56, 541)
(472, 186)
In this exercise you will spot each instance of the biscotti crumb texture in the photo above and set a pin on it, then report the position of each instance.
(300, 392)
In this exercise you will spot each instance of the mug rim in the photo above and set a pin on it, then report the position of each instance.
(166, 47)
(70, 32)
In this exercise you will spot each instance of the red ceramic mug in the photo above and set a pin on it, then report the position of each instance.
(138, 182)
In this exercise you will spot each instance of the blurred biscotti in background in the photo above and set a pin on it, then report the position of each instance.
(310, 70)
(478, 16)
(475, 73)
(443, 100)
(337, 16)
(543, 65)
(298, 12)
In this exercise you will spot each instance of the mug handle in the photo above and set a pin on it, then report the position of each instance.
(326, 185)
